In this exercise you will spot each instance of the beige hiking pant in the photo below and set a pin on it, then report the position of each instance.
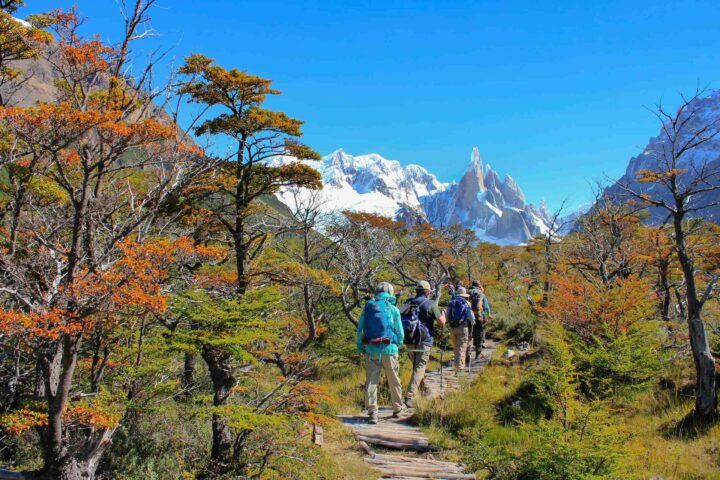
(460, 345)
(419, 362)
(391, 365)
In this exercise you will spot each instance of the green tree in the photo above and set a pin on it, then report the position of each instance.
(244, 176)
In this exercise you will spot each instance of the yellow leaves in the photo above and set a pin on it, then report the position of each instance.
(300, 151)
(20, 41)
(372, 220)
(651, 176)
(48, 191)
(259, 119)
(214, 85)
(298, 174)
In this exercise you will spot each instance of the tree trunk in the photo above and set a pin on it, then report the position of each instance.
(223, 380)
(665, 295)
(705, 394)
(309, 319)
(188, 380)
(71, 470)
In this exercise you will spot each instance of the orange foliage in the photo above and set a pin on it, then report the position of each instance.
(19, 421)
(591, 309)
(91, 417)
(133, 282)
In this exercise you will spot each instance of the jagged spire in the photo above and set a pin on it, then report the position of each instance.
(475, 158)
(476, 167)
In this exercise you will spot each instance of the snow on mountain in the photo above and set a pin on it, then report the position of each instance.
(370, 183)
(22, 22)
(495, 210)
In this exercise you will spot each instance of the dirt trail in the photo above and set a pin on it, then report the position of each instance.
(413, 460)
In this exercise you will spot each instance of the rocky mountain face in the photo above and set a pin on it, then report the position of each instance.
(496, 210)
(703, 112)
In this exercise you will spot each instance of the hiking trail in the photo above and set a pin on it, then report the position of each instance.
(413, 459)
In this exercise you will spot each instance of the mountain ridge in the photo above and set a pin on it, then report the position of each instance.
(496, 210)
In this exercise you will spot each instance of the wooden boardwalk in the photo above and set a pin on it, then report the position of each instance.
(413, 459)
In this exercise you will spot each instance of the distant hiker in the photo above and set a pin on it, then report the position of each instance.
(452, 288)
(379, 333)
(481, 309)
(460, 317)
(419, 315)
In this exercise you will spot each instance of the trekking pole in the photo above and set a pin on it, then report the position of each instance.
(442, 350)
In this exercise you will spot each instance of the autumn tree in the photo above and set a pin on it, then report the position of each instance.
(544, 245)
(93, 172)
(604, 244)
(659, 253)
(360, 240)
(681, 184)
(258, 135)
(424, 252)
(306, 258)
(245, 175)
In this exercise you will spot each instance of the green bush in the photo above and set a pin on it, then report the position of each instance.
(587, 450)
(621, 365)
(526, 404)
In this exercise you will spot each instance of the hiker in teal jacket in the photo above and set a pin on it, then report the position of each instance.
(382, 353)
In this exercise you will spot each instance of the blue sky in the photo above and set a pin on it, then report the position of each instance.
(553, 93)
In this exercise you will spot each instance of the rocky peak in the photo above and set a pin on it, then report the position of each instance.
(477, 167)
(492, 180)
(512, 194)
(472, 182)
(495, 210)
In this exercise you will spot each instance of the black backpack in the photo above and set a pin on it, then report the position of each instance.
(476, 300)
(416, 332)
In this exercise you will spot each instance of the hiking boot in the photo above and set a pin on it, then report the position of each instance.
(478, 354)
(402, 410)
(373, 418)
(409, 403)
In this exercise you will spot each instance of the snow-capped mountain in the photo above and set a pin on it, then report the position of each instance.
(494, 209)
(701, 113)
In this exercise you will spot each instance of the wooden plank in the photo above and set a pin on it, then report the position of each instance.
(398, 473)
(409, 469)
(400, 458)
(391, 436)
(380, 458)
(398, 434)
(396, 445)
(368, 437)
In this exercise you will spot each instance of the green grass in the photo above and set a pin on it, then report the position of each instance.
(467, 425)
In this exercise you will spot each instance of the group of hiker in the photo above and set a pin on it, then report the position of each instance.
(384, 326)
